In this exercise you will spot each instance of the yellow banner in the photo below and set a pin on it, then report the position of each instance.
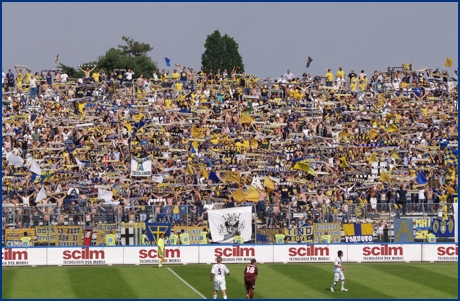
(302, 234)
(194, 232)
(102, 230)
(69, 236)
(334, 230)
(45, 234)
(13, 236)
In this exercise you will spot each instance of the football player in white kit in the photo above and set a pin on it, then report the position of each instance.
(218, 272)
(338, 272)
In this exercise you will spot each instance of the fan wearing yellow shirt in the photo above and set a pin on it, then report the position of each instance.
(96, 75)
(27, 77)
(329, 78)
(340, 76)
(178, 86)
(175, 76)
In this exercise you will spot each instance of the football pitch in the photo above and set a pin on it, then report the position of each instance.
(275, 281)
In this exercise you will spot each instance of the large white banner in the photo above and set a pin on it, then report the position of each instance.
(85, 256)
(141, 167)
(236, 253)
(384, 252)
(149, 255)
(224, 223)
(24, 256)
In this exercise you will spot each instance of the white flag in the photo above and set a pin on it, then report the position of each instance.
(256, 182)
(35, 168)
(157, 178)
(224, 223)
(14, 160)
(79, 163)
(106, 195)
(41, 195)
(141, 167)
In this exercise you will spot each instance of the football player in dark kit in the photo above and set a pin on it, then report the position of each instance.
(250, 275)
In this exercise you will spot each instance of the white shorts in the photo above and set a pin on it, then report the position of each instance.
(220, 284)
(373, 203)
(338, 275)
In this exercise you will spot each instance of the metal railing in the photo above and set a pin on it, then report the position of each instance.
(44, 218)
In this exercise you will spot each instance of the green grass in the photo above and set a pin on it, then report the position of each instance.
(276, 281)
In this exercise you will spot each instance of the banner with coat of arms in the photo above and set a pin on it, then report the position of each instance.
(141, 167)
(224, 223)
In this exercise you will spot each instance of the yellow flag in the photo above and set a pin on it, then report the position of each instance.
(373, 158)
(232, 176)
(254, 143)
(252, 195)
(343, 162)
(305, 166)
(448, 62)
(268, 183)
(246, 119)
(450, 189)
(407, 66)
(239, 196)
(138, 117)
(373, 133)
(392, 128)
(395, 155)
(344, 135)
(196, 133)
(81, 106)
(204, 172)
(384, 177)
(189, 170)
(195, 145)
(424, 111)
(128, 126)
(163, 184)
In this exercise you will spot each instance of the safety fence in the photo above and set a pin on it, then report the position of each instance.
(50, 225)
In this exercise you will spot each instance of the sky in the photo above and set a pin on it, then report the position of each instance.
(272, 37)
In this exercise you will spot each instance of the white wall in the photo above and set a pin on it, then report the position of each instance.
(289, 253)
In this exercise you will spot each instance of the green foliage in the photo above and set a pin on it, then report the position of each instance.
(117, 59)
(71, 72)
(221, 52)
(134, 48)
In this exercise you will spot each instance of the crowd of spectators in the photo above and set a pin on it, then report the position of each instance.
(198, 126)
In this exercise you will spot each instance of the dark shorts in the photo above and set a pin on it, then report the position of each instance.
(249, 283)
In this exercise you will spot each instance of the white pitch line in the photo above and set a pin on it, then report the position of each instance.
(187, 284)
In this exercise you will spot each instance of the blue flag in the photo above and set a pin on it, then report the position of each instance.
(421, 178)
(167, 61)
(57, 59)
(213, 177)
(309, 60)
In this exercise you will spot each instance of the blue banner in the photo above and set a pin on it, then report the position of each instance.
(443, 228)
(404, 230)
(153, 230)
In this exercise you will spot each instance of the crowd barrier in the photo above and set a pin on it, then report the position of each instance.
(206, 254)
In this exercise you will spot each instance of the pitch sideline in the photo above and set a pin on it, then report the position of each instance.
(187, 284)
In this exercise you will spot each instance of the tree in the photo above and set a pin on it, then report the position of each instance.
(117, 59)
(134, 48)
(221, 52)
(71, 72)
